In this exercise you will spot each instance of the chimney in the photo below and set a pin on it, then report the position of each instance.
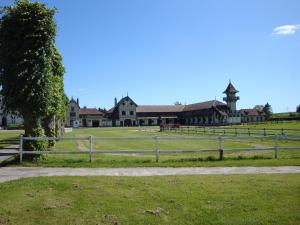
(116, 102)
(77, 101)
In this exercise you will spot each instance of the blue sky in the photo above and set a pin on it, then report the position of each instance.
(162, 51)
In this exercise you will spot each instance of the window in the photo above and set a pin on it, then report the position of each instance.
(123, 113)
(72, 108)
(72, 114)
(131, 113)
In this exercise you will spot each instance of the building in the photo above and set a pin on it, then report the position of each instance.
(252, 115)
(128, 113)
(8, 118)
(85, 117)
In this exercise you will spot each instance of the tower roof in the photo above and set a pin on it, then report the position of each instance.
(230, 89)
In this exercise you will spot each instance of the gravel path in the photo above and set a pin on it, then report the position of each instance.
(14, 173)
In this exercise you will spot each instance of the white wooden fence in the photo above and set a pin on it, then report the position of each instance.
(219, 139)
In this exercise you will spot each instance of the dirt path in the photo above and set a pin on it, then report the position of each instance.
(14, 173)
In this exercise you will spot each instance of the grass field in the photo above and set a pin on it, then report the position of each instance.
(8, 137)
(254, 158)
(217, 199)
(272, 125)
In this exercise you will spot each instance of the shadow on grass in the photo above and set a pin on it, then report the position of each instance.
(212, 159)
(4, 143)
(14, 161)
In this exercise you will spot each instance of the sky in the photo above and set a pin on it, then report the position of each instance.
(163, 51)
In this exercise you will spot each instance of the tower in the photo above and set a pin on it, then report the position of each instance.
(231, 97)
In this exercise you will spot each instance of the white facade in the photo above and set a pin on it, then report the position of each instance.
(7, 119)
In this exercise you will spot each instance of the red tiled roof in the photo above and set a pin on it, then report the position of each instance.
(90, 111)
(159, 108)
(251, 112)
(203, 105)
(230, 89)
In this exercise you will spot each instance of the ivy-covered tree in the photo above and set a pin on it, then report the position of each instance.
(28, 65)
(57, 110)
(268, 110)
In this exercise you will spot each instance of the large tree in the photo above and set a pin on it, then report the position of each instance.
(57, 110)
(27, 64)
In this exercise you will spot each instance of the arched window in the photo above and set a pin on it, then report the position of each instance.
(123, 113)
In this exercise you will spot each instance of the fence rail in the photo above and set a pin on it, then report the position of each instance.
(219, 139)
(231, 130)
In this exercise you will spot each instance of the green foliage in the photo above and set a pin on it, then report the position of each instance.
(268, 110)
(298, 109)
(31, 69)
(27, 33)
(41, 145)
(259, 107)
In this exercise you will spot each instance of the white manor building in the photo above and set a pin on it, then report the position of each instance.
(8, 118)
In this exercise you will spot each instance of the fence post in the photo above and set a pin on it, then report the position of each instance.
(156, 150)
(276, 146)
(220, 148)
(21, 148)
(90, 148)
(235, 132)
(249, 131)
(282, 131)
(265, 134)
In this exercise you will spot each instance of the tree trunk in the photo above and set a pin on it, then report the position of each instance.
(33, 128)
(50, 129)
(30, 123)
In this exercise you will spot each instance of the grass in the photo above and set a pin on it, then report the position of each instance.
(206, 199)
(271, 125)
(9, 137)
(253, 158)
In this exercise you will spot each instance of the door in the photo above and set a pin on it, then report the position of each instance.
(95, 123)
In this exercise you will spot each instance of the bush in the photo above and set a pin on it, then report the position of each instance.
(35, 145)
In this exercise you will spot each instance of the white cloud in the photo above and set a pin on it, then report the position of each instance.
(82, 89)
(286, 29)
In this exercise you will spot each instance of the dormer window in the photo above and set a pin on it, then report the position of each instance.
(72, 109)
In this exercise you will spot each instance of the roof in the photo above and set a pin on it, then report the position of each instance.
(111, 110)
(203, 105)
(90, 111)
(159, 108)
(252, 112)
(127, 98)
(230, 89)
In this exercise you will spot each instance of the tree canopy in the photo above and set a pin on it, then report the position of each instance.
(268, 110)
(31, 69)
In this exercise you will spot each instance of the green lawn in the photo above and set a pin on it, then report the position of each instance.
(272, 125)
(9, 137)
(205, 199)
(253, 158)
(256, 158)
